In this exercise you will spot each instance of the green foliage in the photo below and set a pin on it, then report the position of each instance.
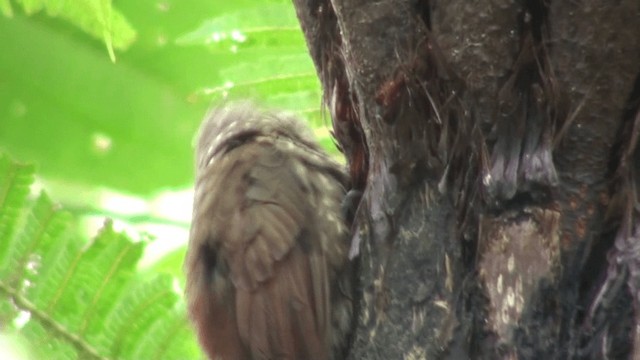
(84, 300)
(96, 18)
(121, 120)
(278, 66)
(86, 120)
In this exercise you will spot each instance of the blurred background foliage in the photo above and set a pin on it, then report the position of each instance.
(104, 97)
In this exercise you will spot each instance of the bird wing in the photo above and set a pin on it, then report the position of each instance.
(271, 250)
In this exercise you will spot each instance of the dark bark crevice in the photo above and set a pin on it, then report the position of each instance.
(322, 33)
(491, 140)
(614, 258)
(521, 139)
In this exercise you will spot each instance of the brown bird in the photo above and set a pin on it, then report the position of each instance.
(267, 269)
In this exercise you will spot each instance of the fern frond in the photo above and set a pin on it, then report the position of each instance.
(83, 300)
(266, 40)
(259, 25)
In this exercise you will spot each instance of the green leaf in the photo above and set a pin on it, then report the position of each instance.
(271, 59)
(262, 25)
(84, 300)
(97, 19)
(13, 196)
(127, 128)
(83, 118)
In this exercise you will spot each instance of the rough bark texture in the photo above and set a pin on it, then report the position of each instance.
(495, 146)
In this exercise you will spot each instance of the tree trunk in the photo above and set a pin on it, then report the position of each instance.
(495, 146)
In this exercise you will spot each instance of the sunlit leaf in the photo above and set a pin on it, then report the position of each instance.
(82, 300)
(264, 25)
(98, 19)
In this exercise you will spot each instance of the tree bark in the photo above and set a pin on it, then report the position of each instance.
(495, 146)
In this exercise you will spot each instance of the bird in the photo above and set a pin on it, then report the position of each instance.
(268, 275)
